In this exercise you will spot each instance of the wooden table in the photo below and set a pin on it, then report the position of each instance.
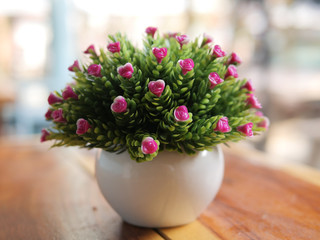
(52, 194)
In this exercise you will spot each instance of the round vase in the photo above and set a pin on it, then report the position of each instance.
(173, 189)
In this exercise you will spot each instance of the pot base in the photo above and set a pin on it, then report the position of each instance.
(171, 190)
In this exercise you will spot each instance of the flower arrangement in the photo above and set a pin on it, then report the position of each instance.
(174, 94)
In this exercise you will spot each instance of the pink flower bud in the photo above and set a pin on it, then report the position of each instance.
(156, 87)
(264, 123)
(171, 35)
(206, 39)
(90, 50)
(149, 145)
(126, 70)
(48, 114)
(217, 51)
(231, 72)
(159, 53)
(234, 59)
(74, 67)
(246, 129)
(223, 125)
(181, 114)
(94, 70)
(151, 31)
(119, 105)
(186, 65)
(214, 79)
(69, 93)
(52, 99)
(253, 101)
(114, 47)
(72, 83)
(44, 135)
(182, 39)
(82, 126)
(259, 114)
(248, 86)
(57, 116)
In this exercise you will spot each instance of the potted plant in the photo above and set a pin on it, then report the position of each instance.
(167, 107)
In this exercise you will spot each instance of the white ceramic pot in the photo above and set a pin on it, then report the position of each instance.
(172, 189)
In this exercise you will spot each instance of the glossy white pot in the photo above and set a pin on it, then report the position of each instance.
(173, 189)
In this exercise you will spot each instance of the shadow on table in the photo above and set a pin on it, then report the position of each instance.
(129, 231)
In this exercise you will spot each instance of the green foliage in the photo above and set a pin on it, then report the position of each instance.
(148, 115)
(156, 107)
(133, 143)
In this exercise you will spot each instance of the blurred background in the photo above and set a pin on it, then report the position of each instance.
(278, 41)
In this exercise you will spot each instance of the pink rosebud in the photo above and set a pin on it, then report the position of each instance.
(264, 123)
(44, 135)
(151, 31)
(57, 116)
(156, 87)
(182, 39)
(217, 51)
(126, 70)
(246, 129)
(223, 125)
(69, 93)
(248, 85)
(253, 101)
(206, 39)
(114, 47)
(72, 83)
(259, 114)
(82, 126)
(181, 114)
(159, 53)
(149, 145)
(90, 50)
(94, 70)
(234, 59)
(119, 105)
(74, 67)
(214, 79)
(231, 72)
(52, 99)
(171, 35)
(48, 114)
(186, 65)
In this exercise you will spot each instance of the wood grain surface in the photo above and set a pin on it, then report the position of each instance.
(48, 195)
(52, 194)
(256, 202)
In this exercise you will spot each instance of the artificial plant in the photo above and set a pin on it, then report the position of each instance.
(173, 94)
